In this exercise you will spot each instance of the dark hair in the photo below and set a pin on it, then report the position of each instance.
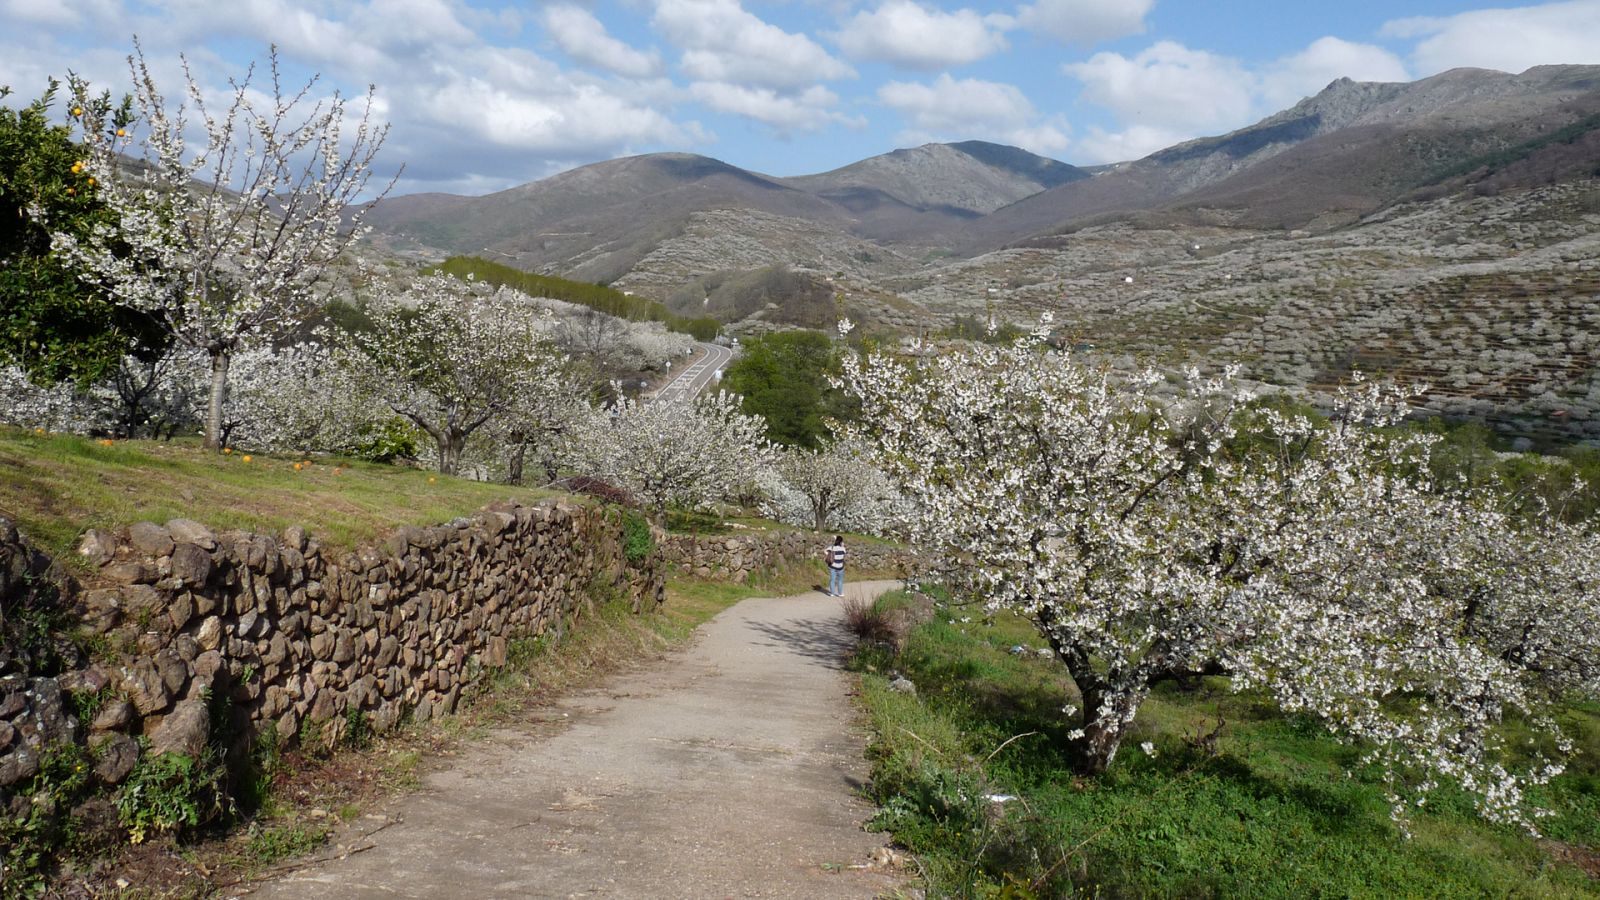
(838, 539)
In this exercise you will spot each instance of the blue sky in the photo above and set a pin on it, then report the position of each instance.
(484, 95)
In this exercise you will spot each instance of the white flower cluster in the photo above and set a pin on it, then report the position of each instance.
(59, 407)
(226, 244)
(295, 399)
(835, 488)
(1153, 534)
(683, 453)
(456, 356)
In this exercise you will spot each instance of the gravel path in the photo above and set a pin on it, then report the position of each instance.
(729, 770)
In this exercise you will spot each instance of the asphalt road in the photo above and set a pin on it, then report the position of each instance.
(691, 382)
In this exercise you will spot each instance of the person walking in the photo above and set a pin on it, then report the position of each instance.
(834, 556)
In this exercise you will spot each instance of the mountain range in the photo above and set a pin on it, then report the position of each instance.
(1285, 225)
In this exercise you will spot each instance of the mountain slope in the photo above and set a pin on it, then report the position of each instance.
(972, 177)
(1329, 159)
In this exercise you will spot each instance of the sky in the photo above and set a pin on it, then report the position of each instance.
(484, 95)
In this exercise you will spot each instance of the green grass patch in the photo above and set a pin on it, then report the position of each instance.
(54, 486)
(1274, 811)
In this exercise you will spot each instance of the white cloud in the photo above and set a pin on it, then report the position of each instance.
(1169, 86)
(950, 108)
(1510, 40)
(1303, 74)
(721, 42)
(582, 36)
(1168, 93)
(1085, 22)
(909, 34)
(809, 110)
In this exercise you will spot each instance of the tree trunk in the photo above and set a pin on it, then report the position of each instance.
(519, 451)
(450, 448)
(220, 359)
(1103, 727)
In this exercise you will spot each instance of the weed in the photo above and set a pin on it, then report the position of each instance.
(867, 620)
(279, 842)
(638, 544)
(172, 792)
(31, 841)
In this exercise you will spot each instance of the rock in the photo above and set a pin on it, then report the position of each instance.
(7, 735)
(209, 637)
(97, 546)
(183, 731)
(902, 685)
(191, 565)
(294, 538)
(115, 758)
(150, 538)
(92, 680)
(130, 571)
(20, 763)
(186, 531)
(322, 645)
(115, 715)
(144, 686)
(181, 610)
(207, 665)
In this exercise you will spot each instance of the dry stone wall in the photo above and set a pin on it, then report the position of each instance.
(295, 634)
(738, 556)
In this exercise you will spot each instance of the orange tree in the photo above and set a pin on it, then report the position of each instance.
(53, 325)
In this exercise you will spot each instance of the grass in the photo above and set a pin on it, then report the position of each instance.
(1271, 814)
(54, 486)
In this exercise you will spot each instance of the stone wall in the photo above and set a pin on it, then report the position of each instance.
(738, 556)
(295, 634)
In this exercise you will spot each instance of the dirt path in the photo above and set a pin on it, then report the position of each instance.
(728, 770)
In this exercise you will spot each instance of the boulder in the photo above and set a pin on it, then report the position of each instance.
(115, 715)
(191, 564)
(97, 546)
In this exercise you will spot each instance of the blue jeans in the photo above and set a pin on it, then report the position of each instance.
(835, 581)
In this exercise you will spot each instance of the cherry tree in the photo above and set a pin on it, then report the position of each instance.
(683, 453)
(1155, 531)
(296, 398)
(837, 486)
(226, 244)
(452, 356)
(546, 421)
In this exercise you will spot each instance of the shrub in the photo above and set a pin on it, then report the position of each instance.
(595, 487)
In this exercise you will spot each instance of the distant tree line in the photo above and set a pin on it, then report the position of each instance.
(595, 296)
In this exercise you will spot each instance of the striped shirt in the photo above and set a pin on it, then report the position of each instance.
(835, 556)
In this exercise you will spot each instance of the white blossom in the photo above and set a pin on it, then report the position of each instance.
(1149, 535)
(225, 244)
(452, 356)
(679, 452)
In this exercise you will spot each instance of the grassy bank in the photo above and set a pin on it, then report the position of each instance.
(54, 486)
(1271, 813)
